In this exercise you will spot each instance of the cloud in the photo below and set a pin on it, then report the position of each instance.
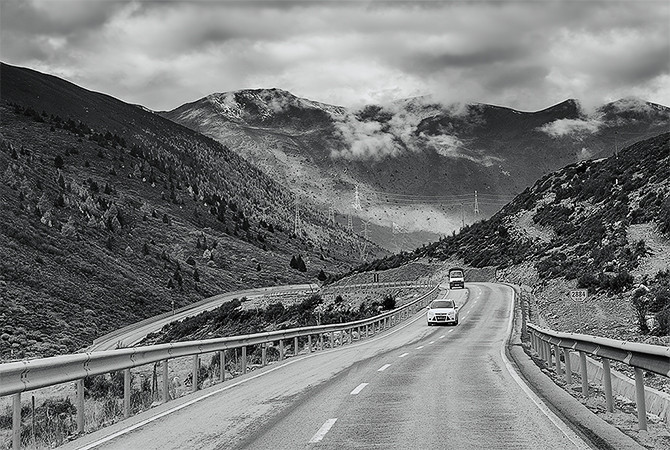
(452, 147)
(572, 127)
(365, 140)
(526, 55)
(632, 104)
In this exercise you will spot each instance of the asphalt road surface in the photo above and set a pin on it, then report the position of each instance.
(411, 387)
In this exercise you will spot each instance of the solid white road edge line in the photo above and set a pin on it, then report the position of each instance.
(567, 431)
(384, 367)
(229, 386)
(325, 428)
(359, 388)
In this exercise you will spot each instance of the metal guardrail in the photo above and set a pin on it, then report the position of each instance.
(380, 285)
(27, 375)
(653, 358)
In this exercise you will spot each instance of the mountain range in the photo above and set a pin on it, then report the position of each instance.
(111, 213)
(416, 163)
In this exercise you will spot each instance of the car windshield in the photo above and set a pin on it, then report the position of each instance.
(442, 304)
(456, 273)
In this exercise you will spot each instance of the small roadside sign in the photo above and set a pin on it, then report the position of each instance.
(579, 295)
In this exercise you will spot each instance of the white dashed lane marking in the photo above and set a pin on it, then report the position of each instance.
(359, 388)
(384, 367)
(419, 347)
(403, 355)
(442, 337)
(325, 428)
(431, 342)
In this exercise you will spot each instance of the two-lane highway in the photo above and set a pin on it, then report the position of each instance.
(412, 387)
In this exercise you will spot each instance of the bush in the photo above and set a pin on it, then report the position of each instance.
(663, 322)
(101, 386)
(389, 302)
(641, 307)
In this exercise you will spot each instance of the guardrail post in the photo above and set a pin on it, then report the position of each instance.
(194, 373)
(222, 365)
(568, 367)
(367, 331)
(244, 359)
(281, 349)
(359, 333)
(533, 341)
(321, 341)
(295, 346)
(607, 384)
(640, 400)
(557, 352)
(166, 383)
(309, 343)
(80, 406)
(547, 347)
(264, 354)
(16, 421)
(584, 373)
(126, 393)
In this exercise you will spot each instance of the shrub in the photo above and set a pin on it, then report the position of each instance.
(641, 307)
(663, 322)
(389, 302)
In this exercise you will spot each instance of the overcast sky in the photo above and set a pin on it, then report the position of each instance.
(527, 55)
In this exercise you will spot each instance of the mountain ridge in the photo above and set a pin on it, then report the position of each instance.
(420, 148)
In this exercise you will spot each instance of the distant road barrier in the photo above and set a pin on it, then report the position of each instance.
(653, 358)
(272, 290)
(27, 375)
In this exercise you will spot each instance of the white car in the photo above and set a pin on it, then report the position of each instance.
(442, 311)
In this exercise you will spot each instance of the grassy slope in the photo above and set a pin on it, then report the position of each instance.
(86, 248)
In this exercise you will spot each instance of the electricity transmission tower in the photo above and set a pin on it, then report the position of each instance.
(362, 246)
(476, 205)
(357, 200)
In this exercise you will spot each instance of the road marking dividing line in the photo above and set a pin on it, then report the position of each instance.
(442, 337)
(431, 342)
(403, 355)
(384, 367)
(359, 388)
(419, 347)
(325, 428)
(451, 331)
